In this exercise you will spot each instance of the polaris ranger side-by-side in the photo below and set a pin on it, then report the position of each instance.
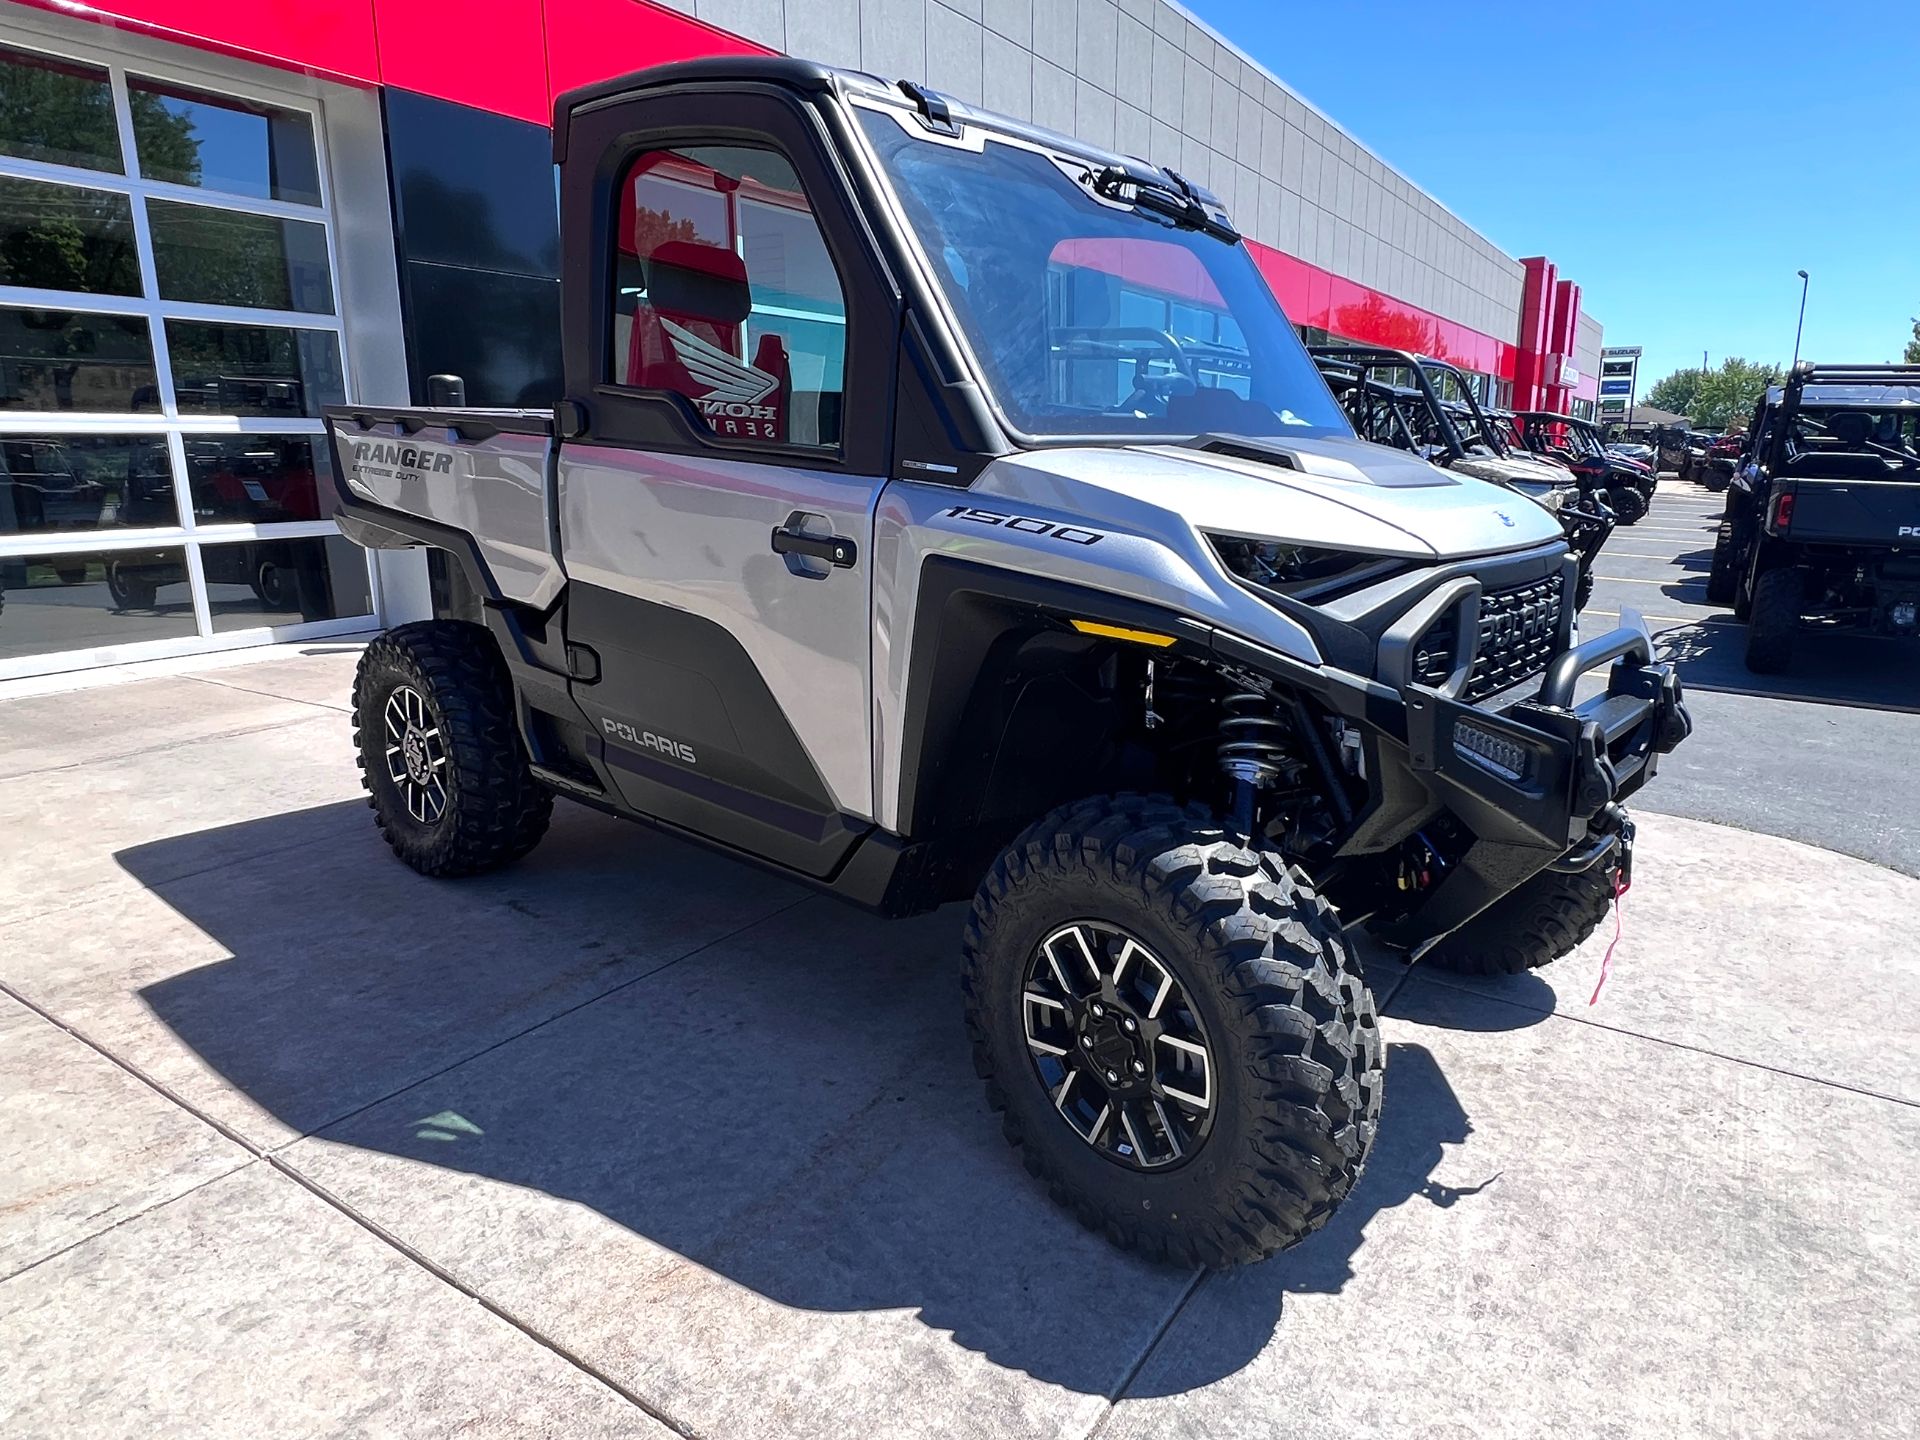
(1394, 398)
(1822, 523)
(941, 509)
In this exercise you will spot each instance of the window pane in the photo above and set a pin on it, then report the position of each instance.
(225, 257)
(253, 369)
(84, 482)
(60, 237)
(254, 479)
(57, 112)
(193, 138)
(61, 360)
(285, 582)
(50, 603)
(724, 293)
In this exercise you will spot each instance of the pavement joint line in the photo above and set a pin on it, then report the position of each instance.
(1634, 580)
(371, 1226)
(271, 695)
(416, 1082)
(169, 745)
(1165, 1327)
(1575, 1019)
(130, 1217)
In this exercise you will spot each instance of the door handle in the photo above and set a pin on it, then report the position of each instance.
(834, 549)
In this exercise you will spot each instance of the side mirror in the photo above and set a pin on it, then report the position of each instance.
(446, 390)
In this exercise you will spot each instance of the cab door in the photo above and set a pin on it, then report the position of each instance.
(716, 507)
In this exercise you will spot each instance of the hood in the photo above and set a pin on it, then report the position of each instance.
(1329, 493)
(1546, 485)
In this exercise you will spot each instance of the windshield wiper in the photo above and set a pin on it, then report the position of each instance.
(1178, 201)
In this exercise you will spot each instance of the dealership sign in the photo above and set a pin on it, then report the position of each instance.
(1619, 370)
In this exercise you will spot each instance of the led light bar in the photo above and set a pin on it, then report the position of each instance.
(1493, 753)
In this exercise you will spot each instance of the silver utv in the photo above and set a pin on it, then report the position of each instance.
(941, 509)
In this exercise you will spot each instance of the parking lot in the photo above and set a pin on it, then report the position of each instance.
(631, 1140)
(1813, 754)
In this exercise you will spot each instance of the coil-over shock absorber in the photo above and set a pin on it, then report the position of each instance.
(1253, 751)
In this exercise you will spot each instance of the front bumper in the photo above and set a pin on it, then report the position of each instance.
(1539, 781)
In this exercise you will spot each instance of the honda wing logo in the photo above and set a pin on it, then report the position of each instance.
(726, 379)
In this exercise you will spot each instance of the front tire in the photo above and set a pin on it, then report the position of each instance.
(439, 753)
(1629, 505)
(1773, 620)
(1105, 907)
(1533, 925)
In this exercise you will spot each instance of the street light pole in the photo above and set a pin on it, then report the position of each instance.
(1801, 322)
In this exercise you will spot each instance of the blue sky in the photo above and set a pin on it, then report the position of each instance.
(1679, 160)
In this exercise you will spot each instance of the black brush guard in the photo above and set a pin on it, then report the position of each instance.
(1539, 781)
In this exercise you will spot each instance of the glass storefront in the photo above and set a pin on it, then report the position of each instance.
(169, 329)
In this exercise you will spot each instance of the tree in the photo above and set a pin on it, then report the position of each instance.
(1676, 392)
(1714, 399)
(1913, 345)
(1727, 395)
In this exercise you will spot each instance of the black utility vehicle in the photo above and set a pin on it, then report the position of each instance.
(1822, 522)
(1417, 403)
(1576, 443)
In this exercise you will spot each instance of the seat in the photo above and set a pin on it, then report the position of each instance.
(686, 339)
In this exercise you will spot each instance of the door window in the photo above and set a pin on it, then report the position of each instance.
(724, 292)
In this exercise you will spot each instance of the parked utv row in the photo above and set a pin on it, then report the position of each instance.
(1427, 407)
(942, 509)
(1822, 522)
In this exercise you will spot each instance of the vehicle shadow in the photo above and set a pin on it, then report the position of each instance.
(1425, 1118)
(790, 1105)
(1829, 667)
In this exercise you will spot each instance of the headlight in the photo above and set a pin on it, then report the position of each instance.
(1302, 571)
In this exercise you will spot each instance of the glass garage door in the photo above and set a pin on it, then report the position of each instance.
(168, 333)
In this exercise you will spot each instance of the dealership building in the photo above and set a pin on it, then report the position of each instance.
(218, 217)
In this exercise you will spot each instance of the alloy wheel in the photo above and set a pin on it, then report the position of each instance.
(1117, 1045)
(416, 754)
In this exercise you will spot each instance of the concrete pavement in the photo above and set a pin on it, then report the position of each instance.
(631, 1140)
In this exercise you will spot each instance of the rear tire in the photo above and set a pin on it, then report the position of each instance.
(1534, 925)
(1583, 590)
(1293, 1054)
(1773, 620)
(439, 753)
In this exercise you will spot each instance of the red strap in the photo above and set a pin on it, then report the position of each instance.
(1606, 960)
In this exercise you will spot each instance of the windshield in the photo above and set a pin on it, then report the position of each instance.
(1096, 319)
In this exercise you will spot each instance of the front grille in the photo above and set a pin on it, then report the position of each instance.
(1519, 633)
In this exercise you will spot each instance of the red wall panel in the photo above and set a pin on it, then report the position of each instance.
(1312, 296)
(487, 53)
(334, 38)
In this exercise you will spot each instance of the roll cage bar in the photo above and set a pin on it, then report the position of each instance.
(1585, 428)
(1774, 429)
(1358, 360)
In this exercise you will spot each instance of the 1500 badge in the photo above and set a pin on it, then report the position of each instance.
(1026, 525)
